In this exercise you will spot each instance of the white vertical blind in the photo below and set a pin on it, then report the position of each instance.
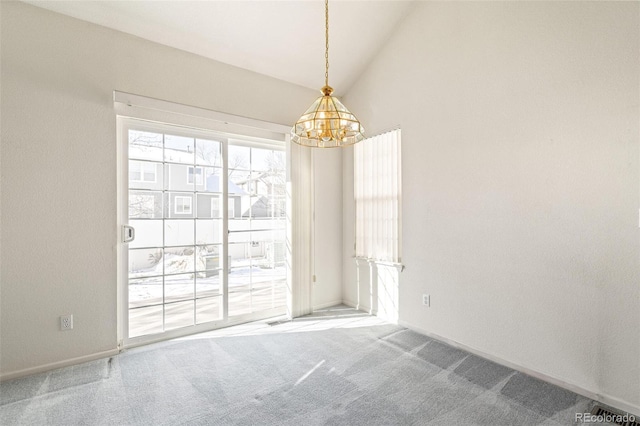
(378, 191)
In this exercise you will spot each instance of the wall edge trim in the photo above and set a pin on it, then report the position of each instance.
(603, 398)
(330, 304)
(58, 364)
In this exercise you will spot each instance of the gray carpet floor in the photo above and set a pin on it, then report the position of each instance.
(336, 367)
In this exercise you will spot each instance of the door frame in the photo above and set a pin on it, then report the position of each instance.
(128, 106)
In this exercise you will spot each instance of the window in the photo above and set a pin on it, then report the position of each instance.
(185, 268)
(195, 174)
(215, 207)
(142, 171)
(182, 205)
(232, 207)
(377, 191)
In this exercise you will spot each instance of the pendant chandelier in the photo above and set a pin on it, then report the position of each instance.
(327, 123)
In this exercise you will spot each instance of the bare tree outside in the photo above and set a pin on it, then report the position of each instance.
(145, 140)
(141, 205)
(208, 152)
(276, 178)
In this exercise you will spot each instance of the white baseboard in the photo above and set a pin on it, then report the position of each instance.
(328, 304)
(56, 365)
(362, 308)
(349, 304)
(605, 399)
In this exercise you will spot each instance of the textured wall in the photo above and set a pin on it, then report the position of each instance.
(521, 182)
(58, 169)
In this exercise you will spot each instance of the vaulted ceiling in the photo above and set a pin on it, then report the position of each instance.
(281, 39)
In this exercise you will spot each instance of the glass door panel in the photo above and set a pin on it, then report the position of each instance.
(182, 272)
(174, 261)
(257, 229)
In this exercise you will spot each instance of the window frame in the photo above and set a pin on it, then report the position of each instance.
(175, 204)
(193, 176)
(216, 210)
(135, 108)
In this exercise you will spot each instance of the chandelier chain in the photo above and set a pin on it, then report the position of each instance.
(326, 36)
(327, 123)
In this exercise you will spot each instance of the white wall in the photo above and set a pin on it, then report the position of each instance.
(521, 182)
(327, 267)
(58, 168)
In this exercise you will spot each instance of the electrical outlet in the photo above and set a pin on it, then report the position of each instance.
(426, 300)
(66, 322)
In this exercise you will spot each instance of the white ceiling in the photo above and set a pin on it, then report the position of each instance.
(281, 39)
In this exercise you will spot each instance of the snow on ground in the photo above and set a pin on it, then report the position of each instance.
(149, 290)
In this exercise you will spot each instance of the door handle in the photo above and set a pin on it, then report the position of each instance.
(128, 233)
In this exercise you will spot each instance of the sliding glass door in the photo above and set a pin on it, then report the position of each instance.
(257, 229)
(206, 226)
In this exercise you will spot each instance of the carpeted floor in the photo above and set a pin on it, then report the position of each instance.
(336, 367)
